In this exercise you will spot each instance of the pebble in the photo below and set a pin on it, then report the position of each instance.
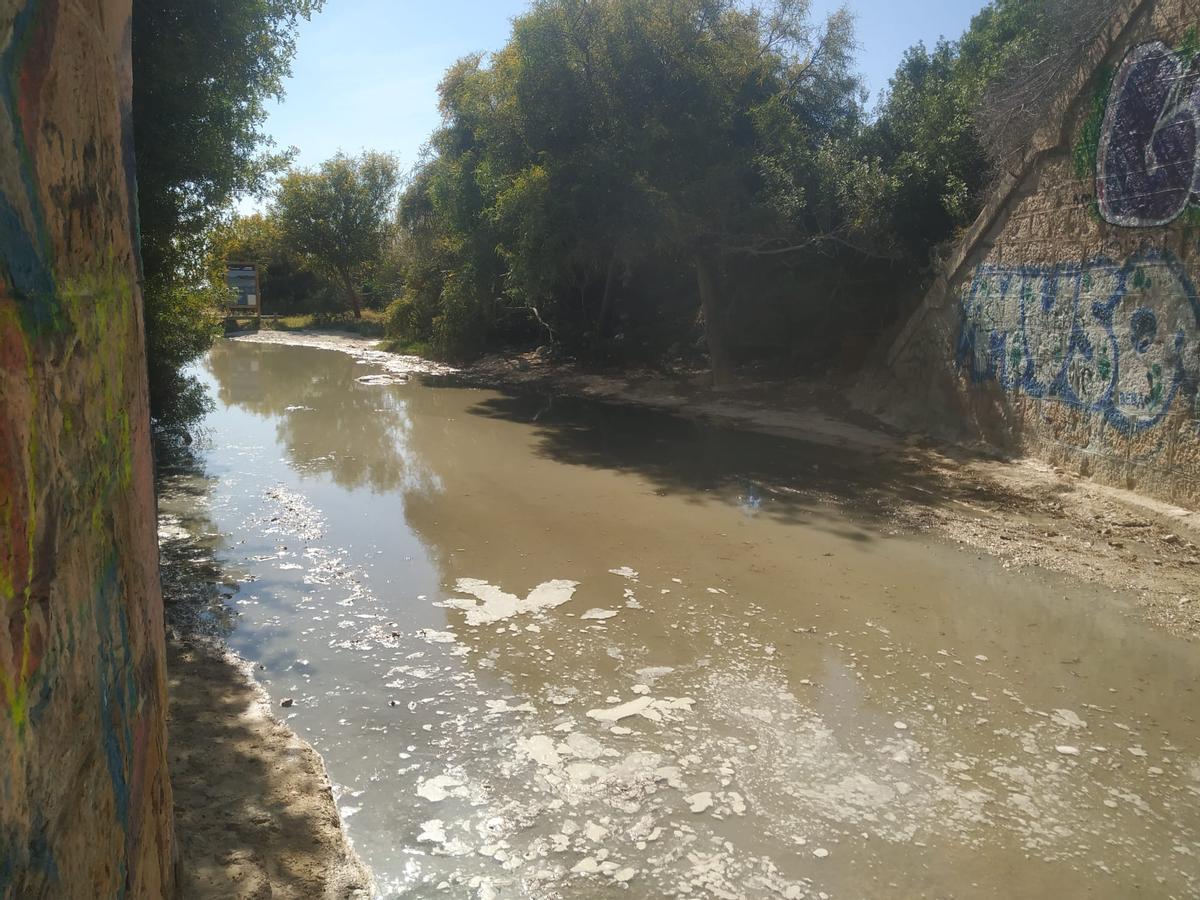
(286, 702)
(820, 853)
(1067, 750)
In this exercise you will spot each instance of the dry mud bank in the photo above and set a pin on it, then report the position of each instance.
(1023, 511)
(255, 815)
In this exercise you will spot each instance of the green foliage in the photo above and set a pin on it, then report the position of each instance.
(289, 286)
(928, 134)
(1087, 147)
(180, 326)
(337, 218)
(203, 71)
(609, 149)
(1189, 46)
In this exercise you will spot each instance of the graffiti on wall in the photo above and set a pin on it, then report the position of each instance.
(82, 692)
(1148, 158)
(1120, 340)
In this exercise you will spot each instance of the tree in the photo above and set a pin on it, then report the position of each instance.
(616, 138)
(203, 72)
(338, 216)
(956, 114)
(288, 285)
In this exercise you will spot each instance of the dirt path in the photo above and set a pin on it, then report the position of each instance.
(254, 810)
(1023, 511)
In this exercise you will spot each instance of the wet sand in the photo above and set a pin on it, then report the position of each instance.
(254, 811)
(552, 648)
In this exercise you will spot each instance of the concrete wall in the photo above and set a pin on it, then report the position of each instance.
(85, 805)
(1068, 322)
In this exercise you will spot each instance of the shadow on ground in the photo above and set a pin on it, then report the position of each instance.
(254, 812)
(789, 479)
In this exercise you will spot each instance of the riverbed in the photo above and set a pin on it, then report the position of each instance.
(553, 647)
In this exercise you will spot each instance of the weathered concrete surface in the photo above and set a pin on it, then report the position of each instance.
(85, 803)
(1067, 324)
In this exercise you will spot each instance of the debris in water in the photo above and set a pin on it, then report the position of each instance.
(1068, 718)
(617, 713)
(439, 788)
(437, 637)
(626, 572)
(650, 673)
(586, 866)
(598, 614)
(382, 380)
(286, 702)
(698, 803)
(644, 706)
(432, 831)
(495, 605)
(540, 749)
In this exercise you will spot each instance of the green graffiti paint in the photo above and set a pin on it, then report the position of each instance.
(96, 312)
(1087, 147)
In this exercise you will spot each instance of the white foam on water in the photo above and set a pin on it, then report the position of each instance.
(598, 614)
(433, 831)
(540, 749)
(645, 706)
(493, 604)
(440, 787)
(623, 711)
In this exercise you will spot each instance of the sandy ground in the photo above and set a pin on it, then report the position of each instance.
(255, 816)
(1021, 510)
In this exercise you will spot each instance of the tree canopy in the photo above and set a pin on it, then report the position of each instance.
(203, 72)
(338, 216)
(611, 140)
(694, 179)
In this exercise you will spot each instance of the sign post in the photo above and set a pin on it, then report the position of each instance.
(243, 278)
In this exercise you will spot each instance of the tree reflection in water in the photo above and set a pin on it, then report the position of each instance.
(326, 420)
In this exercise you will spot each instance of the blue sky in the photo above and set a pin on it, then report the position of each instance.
(366, 73)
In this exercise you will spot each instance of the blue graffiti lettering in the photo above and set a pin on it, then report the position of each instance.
(1118, 340)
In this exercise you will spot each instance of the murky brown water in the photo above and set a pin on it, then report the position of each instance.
(559, 649)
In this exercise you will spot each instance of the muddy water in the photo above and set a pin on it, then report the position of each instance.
(559, 649)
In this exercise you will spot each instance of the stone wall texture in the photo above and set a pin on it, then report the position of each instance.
(85, 804)
(1068, 322)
